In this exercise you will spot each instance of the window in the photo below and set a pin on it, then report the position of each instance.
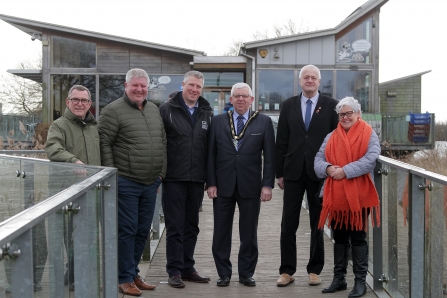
(223, 79)
(61, 84)
(355, 46)
(161, 86)
(275, 86)
(326, 86)
(72, 53)
(111, 87)
(355, 84)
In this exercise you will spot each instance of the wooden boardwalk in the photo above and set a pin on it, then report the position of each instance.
(267, 269)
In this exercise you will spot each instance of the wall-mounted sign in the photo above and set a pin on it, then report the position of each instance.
(263, 53)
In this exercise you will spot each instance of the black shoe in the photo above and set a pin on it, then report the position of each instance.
(223, 281)
(247, 281)
(336, 285)
(176, 281)
(195, 277)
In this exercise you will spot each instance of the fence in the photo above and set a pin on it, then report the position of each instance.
(408, 253)
(57, 220)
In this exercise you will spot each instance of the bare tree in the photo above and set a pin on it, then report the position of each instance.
(19, 95)
(289, 28)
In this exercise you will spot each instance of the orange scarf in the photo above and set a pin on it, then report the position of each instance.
(345, 200)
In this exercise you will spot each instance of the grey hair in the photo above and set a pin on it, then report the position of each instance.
(240, 86)
(79, 88)
(349, 102)
(136, 73)
(312, 67)
(194, 73)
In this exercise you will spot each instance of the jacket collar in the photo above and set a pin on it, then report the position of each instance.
(131, 103)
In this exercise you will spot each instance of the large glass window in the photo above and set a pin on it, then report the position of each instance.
(355, 84)
(161, 86)
(61, 84)
(275, 86)
(222, 79)
(72, 53)
(326, 86)
(355, 46)
(111, 87)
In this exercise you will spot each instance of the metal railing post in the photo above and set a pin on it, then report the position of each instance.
(416, 226)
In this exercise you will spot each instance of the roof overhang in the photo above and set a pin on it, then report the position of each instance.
(405, 78)
(36, 28)
(357, 14)
(219, 63)
(30, 74)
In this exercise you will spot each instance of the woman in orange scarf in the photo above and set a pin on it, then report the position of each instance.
(346, 161)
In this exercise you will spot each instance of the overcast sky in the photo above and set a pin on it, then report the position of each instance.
(411, 35)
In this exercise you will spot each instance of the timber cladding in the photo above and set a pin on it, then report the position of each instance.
(119, 58)
(401, 96)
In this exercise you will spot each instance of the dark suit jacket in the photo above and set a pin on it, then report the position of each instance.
(294, 144)
(226, 165)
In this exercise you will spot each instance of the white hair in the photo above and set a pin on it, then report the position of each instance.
(312, 67)
(240, 86)
(349, 102)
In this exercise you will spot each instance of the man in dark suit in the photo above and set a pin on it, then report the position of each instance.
(237, 175)
(304, 122)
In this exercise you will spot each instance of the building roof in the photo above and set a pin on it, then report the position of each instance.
(357, 14)
(404, 78)
(30, 74)
(34, 28)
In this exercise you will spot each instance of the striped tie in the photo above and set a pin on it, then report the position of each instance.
(240, 126)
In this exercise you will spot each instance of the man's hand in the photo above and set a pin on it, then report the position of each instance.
(280, 182)
(79, 162)
(266, 194)
(212, 192)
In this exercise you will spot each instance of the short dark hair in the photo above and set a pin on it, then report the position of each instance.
(173, 94)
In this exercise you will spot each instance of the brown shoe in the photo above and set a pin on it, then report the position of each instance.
(314, 279)
(195, 277)
(142, 285)
(129, 288)
(284, 280)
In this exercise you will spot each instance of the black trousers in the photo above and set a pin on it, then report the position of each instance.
(293, 198)
(224, 208)
(346, 236)
(181, 201)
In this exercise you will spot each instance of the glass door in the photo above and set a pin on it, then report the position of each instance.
(217, 98)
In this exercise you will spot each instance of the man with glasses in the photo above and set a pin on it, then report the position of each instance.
(304, 122)
(186, 118)
(241, 170)
(74, 138)
(133, 140)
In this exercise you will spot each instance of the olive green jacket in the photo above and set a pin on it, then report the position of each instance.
(71, 139)
(133, 140)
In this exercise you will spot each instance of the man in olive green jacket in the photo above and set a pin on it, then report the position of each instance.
(73, 138)
(133, 140)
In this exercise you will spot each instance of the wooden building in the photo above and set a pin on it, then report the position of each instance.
(347, 56)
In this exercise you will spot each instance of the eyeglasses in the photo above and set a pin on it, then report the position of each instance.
(348, 114)
(240, 95)
(76, 100)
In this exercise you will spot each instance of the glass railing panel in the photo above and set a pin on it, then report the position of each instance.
(435, 279)
(10, 188)
(395, 232)
(86, 265)
(26, 182)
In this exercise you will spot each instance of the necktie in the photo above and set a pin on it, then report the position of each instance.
(240, 126)
(308, 112)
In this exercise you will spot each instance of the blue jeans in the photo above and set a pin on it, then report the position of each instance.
(136, 204)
